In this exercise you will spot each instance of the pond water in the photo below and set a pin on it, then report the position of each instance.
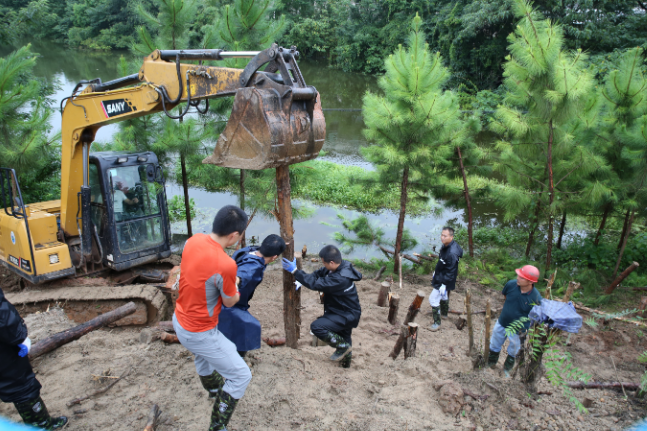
(341, 99)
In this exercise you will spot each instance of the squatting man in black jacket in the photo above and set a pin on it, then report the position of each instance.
(444, 279)
(336, 280)
(18, 384)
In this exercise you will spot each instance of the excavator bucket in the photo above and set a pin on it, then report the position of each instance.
(266, 131)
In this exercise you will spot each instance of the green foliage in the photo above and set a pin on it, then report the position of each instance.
(177, 209)
(516, 326)
(643, 380)
(368, 234)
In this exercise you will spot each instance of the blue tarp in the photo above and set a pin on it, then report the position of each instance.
(556, 314)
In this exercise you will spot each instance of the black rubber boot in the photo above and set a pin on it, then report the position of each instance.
(444, 308)
(343, 347)
(34, 412)
(213, 383)
(493, 359)
(345, 362)
(508, 365)
(222, 411)
(435, 312)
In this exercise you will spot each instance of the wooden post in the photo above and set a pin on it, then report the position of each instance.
(394, 303)
(404, 333)
(414, 308)
(410, 342)
(488, 329)
(468, 308)
(382, 297)
(57, 340)
(400, 269)
(572, 287)
(621, 277)
(291, 296)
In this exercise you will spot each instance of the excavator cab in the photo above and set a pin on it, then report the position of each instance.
(128, 209)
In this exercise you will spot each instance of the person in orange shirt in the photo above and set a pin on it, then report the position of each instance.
(207, 281)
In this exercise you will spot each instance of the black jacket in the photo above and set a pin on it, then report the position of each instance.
(17, 380)
(447, 266)
(340, 292)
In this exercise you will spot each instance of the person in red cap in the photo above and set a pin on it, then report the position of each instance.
(520, 296)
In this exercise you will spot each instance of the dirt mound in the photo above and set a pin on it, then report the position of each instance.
(302, 390)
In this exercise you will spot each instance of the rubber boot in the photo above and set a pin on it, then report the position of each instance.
(435, 312)
(444, 307)
(213, 383)
(508, 365)
(345, 362)
(342, 346)
(34, 412)
(492, 359)
(222, 411)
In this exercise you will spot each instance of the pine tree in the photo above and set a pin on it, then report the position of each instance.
(543, 122)
(412, 127)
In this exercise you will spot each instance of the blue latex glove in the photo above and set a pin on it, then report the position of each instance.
(290, 266)
(25, 346)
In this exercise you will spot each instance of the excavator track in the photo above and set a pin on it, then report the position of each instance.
(82, 303)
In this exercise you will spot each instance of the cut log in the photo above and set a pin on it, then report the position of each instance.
(273, 342)
(414, 308)
(62, 338)
(429, 257)
(621, 277)
(399, 343)
(168, 338)
(572, 287)
(470, 328)
(379, 273)
(410, 342)
(629, 386)
(394, 304)
(602, 313)
(153, 418)
(488, 329)
(382, 296)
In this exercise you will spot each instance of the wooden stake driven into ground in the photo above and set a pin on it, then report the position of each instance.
(394, 304)
(470, 329)
(404, 333)
(410, 342)
(291, 296)
(57, 340)
(414, 308)
(382, 296)
(488, 329)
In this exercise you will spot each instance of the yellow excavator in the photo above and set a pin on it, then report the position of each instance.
(112, 215)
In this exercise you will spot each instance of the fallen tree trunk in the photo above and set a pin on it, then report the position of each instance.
(430, 257)
(604, 385)
(153, 417)
(379, 273)
(406, 256)
(62, 338)
(621, 277)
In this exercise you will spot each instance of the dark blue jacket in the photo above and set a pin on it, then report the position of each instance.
(340, 292)
(236, 323)
(17, 380)
(447, 266)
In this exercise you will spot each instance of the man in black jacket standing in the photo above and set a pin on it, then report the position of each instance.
(444, 279)
(336, 280)
(18, 384)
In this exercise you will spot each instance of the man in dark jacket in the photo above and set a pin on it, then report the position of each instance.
(336, 280)
(18, 384)
(444, 279)
(236, 323)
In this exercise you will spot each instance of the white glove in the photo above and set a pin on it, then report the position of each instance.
(298, 285)
(27, 343)
(442, 289)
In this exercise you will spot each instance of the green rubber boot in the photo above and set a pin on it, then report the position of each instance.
(435, 312)
(444, 308)
(34, 412)
(508, 365)
(222, 411)
(212, 383)
(342, 346)
(492, 359)
(345, 362)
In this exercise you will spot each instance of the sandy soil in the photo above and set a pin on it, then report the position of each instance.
(302, 390)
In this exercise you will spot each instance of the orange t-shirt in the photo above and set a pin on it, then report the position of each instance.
(206, 273)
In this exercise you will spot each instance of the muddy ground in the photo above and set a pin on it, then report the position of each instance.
(302, 390)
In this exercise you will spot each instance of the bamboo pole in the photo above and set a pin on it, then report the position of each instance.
(468, 308)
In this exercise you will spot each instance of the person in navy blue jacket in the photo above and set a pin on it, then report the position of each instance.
(236, 323)
(18, 384)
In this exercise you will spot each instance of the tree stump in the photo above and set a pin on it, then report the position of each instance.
(414, 308)
(404, 333)
(410, 342)
(394, 304)
(382, 297)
